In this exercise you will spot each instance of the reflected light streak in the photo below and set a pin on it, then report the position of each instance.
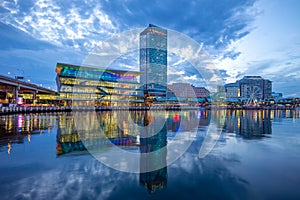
(8, 148)
(28, 136)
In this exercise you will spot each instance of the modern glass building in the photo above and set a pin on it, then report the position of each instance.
(153, 61)
(89, 86)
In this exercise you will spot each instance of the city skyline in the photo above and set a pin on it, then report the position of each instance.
(242, 37)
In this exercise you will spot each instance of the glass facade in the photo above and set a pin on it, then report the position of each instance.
(153, 60)
(94, 86)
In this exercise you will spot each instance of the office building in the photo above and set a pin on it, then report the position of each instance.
(153, 61)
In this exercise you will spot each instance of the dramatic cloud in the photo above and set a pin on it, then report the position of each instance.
(270, 49)
(76, 24)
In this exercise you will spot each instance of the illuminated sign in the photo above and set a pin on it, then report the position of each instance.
(157, 32)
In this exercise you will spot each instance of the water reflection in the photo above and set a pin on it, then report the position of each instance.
(16, 129)
(152, 142)
(119, 133)
(250, 124)
(67, 137)
(55, 176)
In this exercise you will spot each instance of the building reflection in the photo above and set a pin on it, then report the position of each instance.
(153, 164)
(94, 130)
(249, 124)
(67, 138)
(16, 129)
(117, 130)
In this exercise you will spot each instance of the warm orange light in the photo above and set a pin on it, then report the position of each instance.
(28, 137)
(8, 148)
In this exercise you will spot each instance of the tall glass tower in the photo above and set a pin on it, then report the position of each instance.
(153, 60)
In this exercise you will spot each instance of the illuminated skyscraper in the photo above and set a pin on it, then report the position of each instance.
(153, 60)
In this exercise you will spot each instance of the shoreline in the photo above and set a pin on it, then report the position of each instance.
(50, 109)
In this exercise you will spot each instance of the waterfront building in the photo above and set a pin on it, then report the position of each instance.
(153, 61)
(255, 87)
(186, 92)
(183, 90)
(232, 90)
(201, 92)
(249, 88)
(87, 86)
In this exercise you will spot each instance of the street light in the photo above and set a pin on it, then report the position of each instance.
(16, 77)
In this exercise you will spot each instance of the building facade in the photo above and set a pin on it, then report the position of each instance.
(153, 60)
(232, 90)
(88, 86)
(184, 90)
(249, 88)
(187, 90)
(255, 87)
(201, 92)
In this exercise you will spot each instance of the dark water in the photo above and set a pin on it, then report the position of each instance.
(230, 155)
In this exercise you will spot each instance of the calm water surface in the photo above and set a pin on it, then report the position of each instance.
(255, 156)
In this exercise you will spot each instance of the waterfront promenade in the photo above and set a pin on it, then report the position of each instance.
(42, 109)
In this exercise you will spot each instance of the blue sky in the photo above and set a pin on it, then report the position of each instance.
(242, 37)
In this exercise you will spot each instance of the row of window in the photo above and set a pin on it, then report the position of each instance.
(99, 97)
(102, 90)
(74, 81)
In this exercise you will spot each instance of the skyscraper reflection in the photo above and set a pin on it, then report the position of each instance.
(154, 130)
(153, 155)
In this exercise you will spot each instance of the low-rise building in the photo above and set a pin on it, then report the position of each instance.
(87, 86)
(232, 90)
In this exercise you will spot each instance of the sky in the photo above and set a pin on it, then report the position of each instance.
(241, 37)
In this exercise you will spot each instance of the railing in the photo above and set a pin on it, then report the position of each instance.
(33, 109)
(40, 109)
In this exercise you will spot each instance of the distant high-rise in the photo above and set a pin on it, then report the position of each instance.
(153, 60)
(250, 87)
(255, 87)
